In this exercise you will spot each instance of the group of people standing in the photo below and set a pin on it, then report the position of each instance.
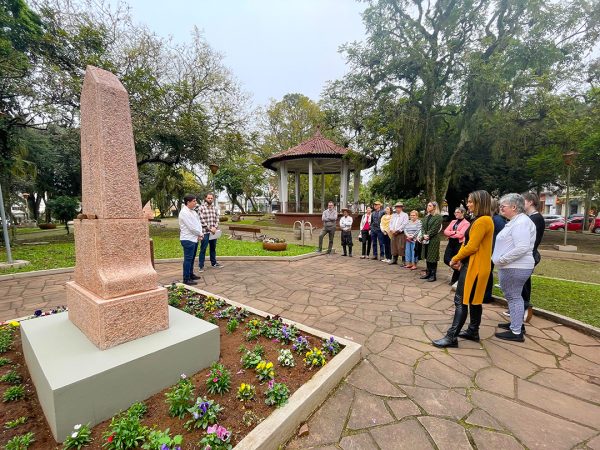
(198, 224)
(504, 234)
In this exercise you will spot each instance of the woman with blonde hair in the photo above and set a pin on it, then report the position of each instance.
(385, 229)
(430, 237)
(473, 262)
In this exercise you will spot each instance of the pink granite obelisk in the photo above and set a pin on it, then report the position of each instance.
(115, 296)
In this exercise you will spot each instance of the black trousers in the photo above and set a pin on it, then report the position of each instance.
(365, 235)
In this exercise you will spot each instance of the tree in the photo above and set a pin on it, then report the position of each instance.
(64, 209)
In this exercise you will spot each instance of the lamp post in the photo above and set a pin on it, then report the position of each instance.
(9, 258)
(214, 168)
(568, 159)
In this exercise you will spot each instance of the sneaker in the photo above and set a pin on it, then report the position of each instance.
(510, 336)
(506, 326)
(217, 266)
(200, 270)
(362, 256)
(319, 250)
(454, 286)
(506, 313)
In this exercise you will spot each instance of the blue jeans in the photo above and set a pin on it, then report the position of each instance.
(189, 254)
(377, 235)
(511, 283)
(409, 252)
(213, 250)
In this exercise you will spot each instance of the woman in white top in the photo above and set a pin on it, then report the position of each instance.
(513, 256)
(346, 226)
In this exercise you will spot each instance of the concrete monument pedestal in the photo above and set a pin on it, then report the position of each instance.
(566, 248)
(78, 383)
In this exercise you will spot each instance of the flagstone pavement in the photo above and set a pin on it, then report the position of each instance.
(405, 393)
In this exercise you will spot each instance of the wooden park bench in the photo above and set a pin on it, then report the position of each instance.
(253, 230)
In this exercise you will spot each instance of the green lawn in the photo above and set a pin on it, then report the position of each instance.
(569, 298)
(61, 251)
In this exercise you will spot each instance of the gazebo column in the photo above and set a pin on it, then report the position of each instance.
(310, 186)
(356, 188)
(283, 187)
(323, 191)
(297, 189)
(344, 184)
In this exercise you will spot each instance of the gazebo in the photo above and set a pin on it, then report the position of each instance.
(317, 156)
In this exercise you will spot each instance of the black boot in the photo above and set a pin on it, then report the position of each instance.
(427, 272)
(460, 315)
(472, 333)
(350, 251)
(394, 260)
(432, 275)
(344, 247)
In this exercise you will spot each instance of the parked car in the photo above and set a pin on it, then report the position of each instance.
(549, 218)
(574, 225)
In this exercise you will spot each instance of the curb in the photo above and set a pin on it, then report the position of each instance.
(39, 273)
(590, 330)
(277, 429)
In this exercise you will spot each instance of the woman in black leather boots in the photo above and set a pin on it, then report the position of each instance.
(473, 262)
(430, 237)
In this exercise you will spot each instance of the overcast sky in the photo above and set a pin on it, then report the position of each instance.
(273, 47)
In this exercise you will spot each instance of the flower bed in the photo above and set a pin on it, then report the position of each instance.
(263, 362)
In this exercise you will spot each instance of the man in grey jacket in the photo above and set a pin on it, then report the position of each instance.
(329, 218)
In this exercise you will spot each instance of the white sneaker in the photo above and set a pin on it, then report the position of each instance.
(506, 313)
(454, 286)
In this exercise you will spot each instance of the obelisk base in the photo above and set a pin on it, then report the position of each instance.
(107, 323)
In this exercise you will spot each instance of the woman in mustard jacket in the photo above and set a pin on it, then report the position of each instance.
(473, 261)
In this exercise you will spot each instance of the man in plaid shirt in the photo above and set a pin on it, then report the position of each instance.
(209, 217)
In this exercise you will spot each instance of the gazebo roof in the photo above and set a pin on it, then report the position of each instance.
(317, 147)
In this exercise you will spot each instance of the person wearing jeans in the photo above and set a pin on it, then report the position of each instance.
(376, 233)
(329, 219)
(190, 230)
(411, 230)
(513, 256)
(209, 216)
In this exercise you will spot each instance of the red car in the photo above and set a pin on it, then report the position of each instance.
(574, 224)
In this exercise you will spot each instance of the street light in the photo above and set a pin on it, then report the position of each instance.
(568, 159)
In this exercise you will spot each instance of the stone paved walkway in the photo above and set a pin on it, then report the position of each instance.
(405, 393)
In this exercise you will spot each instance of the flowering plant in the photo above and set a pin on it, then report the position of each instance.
(211, 304)
(301, 344)
(250, 359)
(180, 397)
(217, 438)
(124, 431)
(80, 437)
(331, 346)
(232, 312)
(204, 413)
(286, 358)
(277, 394)
(271, 327)
(162, 440)
(232, 325)
(273, 240)
(254, 328)
(219, 379)
(314, 358)
(246, 392)
(287, 333)
(195, 307)
(265, 371)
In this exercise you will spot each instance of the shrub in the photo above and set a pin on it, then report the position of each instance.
(205, 412)
(265, 371)
(138, 409)
(219, 379)
(180, 397)
(286, 358)
(277, 394)
(80, 437)
(15, 423)
(21, 442)
(11, 377)
(14, 393)
(162, 440)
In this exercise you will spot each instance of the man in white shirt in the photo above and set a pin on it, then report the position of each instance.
(397, 223)
(190, 231)
(346, 227)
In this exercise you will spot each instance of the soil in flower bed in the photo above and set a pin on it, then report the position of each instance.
(157, 414)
